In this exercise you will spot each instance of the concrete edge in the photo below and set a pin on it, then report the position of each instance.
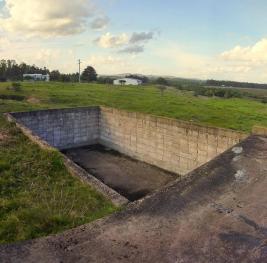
(188, 177)
(83, 175)
(13, 113)
(259, 130)
(74, 169)
(144, 115)
(168, 120)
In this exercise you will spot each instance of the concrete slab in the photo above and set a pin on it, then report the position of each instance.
(131, 178)
(212, 215)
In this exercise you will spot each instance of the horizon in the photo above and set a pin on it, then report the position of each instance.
(207, 40)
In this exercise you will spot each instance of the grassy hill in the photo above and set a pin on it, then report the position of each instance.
(38, 196)
(238, 114)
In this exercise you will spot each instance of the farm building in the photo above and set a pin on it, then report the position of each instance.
(127, 81)
(36, 77)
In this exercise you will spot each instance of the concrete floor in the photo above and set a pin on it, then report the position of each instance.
(217, 214)
(131, 178)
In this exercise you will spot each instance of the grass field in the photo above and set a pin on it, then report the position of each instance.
(38, 196)
(256, 92)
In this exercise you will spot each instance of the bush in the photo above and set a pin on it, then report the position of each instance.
(28, 78)
(12, 97)
(16, 86)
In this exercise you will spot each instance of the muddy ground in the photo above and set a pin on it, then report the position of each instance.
(129, 177)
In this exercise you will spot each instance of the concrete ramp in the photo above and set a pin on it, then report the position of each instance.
(218, 213)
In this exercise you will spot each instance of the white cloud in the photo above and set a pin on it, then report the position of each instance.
(116, 64)
(4, 42)
(107, 60)
(133, 44)
(46, 17)
(193, 65)
(255, 54)
(34, 53)
(110, 41)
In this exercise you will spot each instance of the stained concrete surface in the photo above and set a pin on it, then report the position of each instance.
(131, 178)
(210, 216)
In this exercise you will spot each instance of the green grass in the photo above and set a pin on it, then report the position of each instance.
(238, 114)
(39, 197)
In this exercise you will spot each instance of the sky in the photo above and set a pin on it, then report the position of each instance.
(203, 39)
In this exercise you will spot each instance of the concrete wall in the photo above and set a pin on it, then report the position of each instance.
(173, 145)
(64, 128)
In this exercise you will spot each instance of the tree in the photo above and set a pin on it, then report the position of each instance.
(161, 88)
(122, 81)
(144, 79)
(89, 74)
(55, 75)
(162, 81)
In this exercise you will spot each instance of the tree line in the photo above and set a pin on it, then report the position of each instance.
(235, 84)
(10, 70)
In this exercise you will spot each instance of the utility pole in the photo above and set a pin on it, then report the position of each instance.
(79, 62)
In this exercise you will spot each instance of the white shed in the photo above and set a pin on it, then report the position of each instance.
(36, 77)
(127, 81)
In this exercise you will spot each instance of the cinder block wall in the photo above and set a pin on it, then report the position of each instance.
(173, 145)
(63, 128)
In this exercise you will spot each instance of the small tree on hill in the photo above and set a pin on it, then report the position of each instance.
(162, 88)
(162, 81)
(89, 74)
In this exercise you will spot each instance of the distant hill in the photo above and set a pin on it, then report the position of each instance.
(235, 84)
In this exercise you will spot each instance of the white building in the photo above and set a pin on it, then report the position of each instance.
(127, 81)
(36, 77)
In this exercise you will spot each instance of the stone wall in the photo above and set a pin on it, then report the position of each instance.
(64, 128)
(173, 145)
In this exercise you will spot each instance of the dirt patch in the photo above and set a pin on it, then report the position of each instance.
(33, 100)
(129, 177)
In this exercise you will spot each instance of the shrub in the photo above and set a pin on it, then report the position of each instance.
(16, 86)
(12, 97)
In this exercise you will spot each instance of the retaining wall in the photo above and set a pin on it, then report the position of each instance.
(63, 128)
(176, 146)
(173, 145)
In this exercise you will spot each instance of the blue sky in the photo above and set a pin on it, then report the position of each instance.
(194, 39)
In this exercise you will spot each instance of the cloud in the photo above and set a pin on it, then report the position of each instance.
(110, 41)
(106, 60)
(255, 54)
(132, 49)
(116, 64)
(180, 62)
(100, 23)
(141, 37)
(132, 44)
(46, 18)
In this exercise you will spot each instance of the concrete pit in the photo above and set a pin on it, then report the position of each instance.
(125, 155)
(131, 178)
